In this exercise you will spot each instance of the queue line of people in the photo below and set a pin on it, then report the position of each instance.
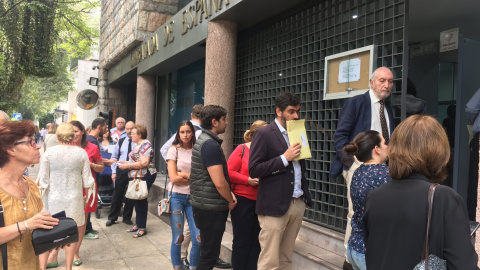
(417, 150)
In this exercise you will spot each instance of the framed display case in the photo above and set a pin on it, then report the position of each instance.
(347, 74)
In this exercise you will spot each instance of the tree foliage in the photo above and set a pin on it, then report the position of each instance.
(45, 119)
(34, 35)
(41, 95)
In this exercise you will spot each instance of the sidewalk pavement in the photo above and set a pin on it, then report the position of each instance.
(117, 249)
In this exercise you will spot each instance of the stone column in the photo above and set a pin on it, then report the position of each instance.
(102, 90)
(145, 104)
(220, 73)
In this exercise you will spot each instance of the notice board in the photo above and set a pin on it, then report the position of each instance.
(347, 74)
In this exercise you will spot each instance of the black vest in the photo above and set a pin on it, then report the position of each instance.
(203, 193)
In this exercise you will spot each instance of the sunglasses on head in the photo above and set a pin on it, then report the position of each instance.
(30, 141)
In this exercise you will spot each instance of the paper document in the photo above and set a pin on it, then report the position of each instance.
(349, 71)
(297, 133)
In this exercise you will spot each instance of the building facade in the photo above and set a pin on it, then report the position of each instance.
(160, 58)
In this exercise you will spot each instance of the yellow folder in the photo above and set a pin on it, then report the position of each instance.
(297, 133)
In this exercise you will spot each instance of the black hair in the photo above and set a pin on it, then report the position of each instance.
(286, 99)
(177, 137)
(362, 145)
(211, 112)
(80, 126)
(98, 122)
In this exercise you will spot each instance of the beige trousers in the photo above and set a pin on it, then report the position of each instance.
(347, 174)
(186, 240)
(278, 235)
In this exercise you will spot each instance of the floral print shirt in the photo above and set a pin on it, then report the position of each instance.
(364, 179)
(144, 149)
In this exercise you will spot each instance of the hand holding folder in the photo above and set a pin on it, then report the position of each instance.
(297, 133)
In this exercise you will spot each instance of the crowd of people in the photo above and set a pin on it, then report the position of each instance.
(388, 170)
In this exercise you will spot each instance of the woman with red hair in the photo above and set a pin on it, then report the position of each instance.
(19, 195)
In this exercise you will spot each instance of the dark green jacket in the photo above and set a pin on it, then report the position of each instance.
(203, 193)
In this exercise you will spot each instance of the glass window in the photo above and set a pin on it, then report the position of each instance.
(187, 89)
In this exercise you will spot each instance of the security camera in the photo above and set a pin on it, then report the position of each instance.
(95, 67)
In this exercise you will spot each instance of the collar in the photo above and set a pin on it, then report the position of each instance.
(373, 98)
(280, 127)
(195, 123)
(212, 135)
(417, 176)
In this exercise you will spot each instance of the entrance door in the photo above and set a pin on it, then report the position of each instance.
(468, 83)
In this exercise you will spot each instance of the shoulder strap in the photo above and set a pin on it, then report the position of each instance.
(4, 246)
(431, 193)
(233, 185)
(120, 142)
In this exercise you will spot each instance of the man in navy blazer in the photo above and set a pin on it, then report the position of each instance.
(283, 189)
(358, 114)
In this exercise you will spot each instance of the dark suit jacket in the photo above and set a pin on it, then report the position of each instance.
(395, 223)
(355, 117)
(275, 188)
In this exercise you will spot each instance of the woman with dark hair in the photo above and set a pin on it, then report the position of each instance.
(64, 174)
(140, 163)
(368, 147)
(105, 183)
(179, 158)
(395, 218)
(19, 195)
(96, 166)
(246, 247)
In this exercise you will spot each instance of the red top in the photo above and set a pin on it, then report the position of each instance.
(94, 155)
(238, 173)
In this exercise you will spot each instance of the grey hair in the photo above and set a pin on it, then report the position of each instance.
(375, 72)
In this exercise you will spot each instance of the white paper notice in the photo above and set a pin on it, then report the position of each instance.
(349, 71)
(304, 140)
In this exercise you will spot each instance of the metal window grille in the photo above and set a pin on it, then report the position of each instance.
(287, 53)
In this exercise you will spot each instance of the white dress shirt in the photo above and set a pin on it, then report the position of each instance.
(297, 169)
(375, 104)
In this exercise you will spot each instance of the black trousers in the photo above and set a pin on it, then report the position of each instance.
(246, 228)
(141, 206)
(212, 226)
(121, 184)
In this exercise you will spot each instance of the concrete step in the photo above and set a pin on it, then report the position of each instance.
(316, 247)
(306, 255)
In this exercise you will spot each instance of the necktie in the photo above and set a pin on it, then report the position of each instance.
(130, 147)
(383, 122)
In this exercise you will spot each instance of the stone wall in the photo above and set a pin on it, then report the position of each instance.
(124, 25)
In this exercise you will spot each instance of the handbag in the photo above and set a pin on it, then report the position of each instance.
(164, 204)
(65, 233)
(137, 188)
(4, 246)
(434, 262)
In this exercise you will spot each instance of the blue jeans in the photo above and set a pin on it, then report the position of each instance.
(356, 259)
(180, 206)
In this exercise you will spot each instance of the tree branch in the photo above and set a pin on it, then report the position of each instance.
(78, 28)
